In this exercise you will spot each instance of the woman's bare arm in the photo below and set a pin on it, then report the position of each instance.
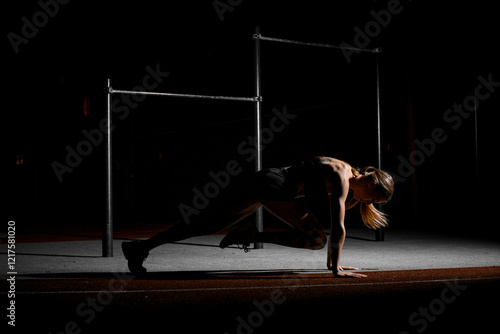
(339, 190)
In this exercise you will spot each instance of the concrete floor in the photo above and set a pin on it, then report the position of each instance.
(400, 251)
(198, 287)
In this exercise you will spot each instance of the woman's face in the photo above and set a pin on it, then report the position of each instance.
(367, 194)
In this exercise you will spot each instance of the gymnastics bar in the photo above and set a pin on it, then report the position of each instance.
(379, 234)
(107, 240)
(259, 214)
(192, 96)
(289, 41)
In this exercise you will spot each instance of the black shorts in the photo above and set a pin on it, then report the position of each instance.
(272, 184)
(280, 184)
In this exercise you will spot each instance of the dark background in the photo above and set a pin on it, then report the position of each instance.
(432, 57)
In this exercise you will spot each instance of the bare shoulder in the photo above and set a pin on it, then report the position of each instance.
(337, 176)
(339, 167)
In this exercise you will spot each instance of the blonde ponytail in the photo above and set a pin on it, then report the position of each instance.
(372, 218)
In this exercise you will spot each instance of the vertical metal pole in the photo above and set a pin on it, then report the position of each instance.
(380, 233)
(107, 239)
(476, 137)
(379, 127)
(258, 113)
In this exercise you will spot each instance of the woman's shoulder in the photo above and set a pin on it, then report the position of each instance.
(342, 168)
(336, 174)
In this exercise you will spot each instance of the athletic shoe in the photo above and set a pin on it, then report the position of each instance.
(243, 234)
(136, 255)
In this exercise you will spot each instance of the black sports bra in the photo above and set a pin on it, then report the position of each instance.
(311, 172)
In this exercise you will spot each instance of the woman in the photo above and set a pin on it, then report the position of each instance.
(279, 190)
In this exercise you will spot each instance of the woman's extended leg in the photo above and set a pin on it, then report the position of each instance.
(214, 218)
(211, 221)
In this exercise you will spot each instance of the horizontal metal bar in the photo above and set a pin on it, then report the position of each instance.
(289, 41)
(193, 96)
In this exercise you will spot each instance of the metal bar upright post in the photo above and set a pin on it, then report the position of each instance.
(107, 240)
(379, 233)
(258, 113)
